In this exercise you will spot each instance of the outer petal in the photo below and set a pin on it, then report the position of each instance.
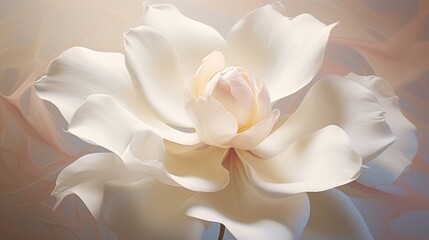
(249, 215)
(335, 101)
(316, 162)
(154, 64)
(80, 72)
(195, 169)
(149, 210)
(334, 217)
(86, 177)
(191, 40)
(284, 52)
(386, 167)
(102, 121)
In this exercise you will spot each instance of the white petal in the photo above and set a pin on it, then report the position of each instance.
(155, 66)
(315, 162)
(386, 167)
(335, 101)
(198, 170)
(213, 123)
(334, 217)
(247, 214)
(191, 40)
(195, 169)
(210, 64)
(255, 134)
(80, 72)
(149, 210)
(86, 177)
(103, 121)
(286, 53)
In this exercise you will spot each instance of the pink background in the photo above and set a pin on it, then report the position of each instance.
(388, 38)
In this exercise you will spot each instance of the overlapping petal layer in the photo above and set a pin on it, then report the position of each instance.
(335, 101)
(386, 167)
(285, 53)
(315, 162)
(163, 54)
(248, 214)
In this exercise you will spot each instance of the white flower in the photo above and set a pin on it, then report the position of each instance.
(191, 133)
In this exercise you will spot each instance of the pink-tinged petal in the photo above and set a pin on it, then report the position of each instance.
(386, 167)
(315, 162)
(191, 40)
(149, 210)
(334, 217)
(195, 169)
(248, 214)
(86, 177)
(335, 101)
(80, 72)
(154, 65)
(286, 53)
(103, 121)
(213, 123)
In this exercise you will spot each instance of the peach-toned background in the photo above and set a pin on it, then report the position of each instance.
(389, 38)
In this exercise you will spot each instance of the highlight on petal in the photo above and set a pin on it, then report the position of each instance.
(86, 177)
(216, 126)
(214, 62)
(149, 210)
(154, 65)
(286, 53)
(315, 162)
(195, 169)
(80, 72)
(387, 166)
(213, 123)
(338, 101)
(255, 134)
(248, 214)
(345, 221)
(103, 121)
(191, 40)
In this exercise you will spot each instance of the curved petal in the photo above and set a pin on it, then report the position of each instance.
(286, 53)
(198, 170)
(213, 123)
(387, 166)
(195, 169)
(191, 40)
(80, 72)
(335, 101)
(247, 214)
(214, 62)
(86, 177)
(149, 210)
(345, 221)
(154, 64)
(103, 121)
(255, 134)
(316, 162)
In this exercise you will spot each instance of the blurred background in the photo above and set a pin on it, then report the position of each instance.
(388, 38)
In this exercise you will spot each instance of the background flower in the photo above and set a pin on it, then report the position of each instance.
(34, 148)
